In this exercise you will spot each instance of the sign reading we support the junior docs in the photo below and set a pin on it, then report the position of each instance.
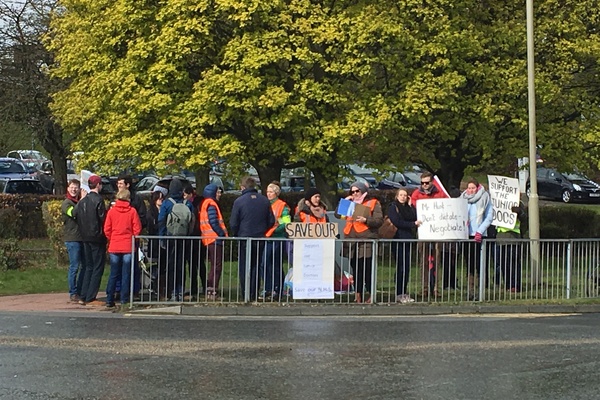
(505, 194)
(442, 219)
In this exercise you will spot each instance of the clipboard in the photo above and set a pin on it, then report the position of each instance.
(361, 211)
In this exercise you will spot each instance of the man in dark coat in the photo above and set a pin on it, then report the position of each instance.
(251, 217)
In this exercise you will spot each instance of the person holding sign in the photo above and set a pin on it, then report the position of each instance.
(404, 217)
(428, 251)
(362, 227)
(480, 212)
(271, 268)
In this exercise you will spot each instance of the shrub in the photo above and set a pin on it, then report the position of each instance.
(10, 223)
(10, 255)
(54, 228)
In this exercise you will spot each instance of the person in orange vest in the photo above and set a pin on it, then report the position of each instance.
(311, 208)
(271, 270)
(212, 228)
(360, 253)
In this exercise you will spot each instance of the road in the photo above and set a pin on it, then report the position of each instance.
(110, 356)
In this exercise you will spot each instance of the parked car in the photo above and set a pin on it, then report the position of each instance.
(31, 158)
(363, 172)
(164, 182)
(24, 185)
(12, 168)
(409, 179)
(565, 186)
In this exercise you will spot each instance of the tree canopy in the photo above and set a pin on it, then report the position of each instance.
(439, 83)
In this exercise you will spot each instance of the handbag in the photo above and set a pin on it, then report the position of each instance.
(388, 229)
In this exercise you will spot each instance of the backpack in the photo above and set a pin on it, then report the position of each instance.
(179, 220)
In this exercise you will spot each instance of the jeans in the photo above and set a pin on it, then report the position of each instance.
(120, 271)
(75, 250)
(402, 256)
(175, 267)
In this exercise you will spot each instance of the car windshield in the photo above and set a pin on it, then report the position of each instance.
(9, 167)
(575, 176)
(23, 187)
(412, 177)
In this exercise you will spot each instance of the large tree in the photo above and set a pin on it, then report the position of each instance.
(25, 82)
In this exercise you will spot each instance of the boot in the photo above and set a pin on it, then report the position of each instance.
(357, 297)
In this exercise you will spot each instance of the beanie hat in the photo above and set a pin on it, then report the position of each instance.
(360, 186)
(310, 193)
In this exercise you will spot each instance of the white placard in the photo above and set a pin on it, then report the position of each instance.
(505, 194)
(314, 262)
(443, 219)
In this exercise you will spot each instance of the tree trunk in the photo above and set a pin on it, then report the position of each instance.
(451, 173)
(326, 182)
(269, 173)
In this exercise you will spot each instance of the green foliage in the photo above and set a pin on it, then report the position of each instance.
(568, 222)
(51, 211)
(10, 223)
(10, 255)
(29, 207)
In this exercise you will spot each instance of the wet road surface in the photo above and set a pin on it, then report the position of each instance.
(102, 356)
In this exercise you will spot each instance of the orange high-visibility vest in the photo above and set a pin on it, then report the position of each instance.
(277, 207)
(209, 235)
(359, 226)
(306, 218)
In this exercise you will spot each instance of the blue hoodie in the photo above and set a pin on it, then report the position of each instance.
(210, 192)
(175, 193)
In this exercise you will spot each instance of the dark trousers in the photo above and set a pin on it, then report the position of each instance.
(256, 256)
(271, 268)
(448, 255)
(508, 258)
(215, 257)
(94, 254)
(402, 254)
(363, 274)
(195, 254)
(175, 266)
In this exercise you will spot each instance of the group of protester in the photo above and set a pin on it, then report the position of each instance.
(178, 212)
(402, 213)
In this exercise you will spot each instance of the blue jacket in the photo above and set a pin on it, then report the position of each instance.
(210, 192)
(251, 215)
(176, 193)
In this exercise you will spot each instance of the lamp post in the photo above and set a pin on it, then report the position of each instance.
(534, 213)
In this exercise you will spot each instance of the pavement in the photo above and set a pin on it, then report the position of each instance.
(59, 302)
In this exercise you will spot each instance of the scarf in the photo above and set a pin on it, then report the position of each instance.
(406, 212)
(480, 198)
(73, 199)
(360, 199)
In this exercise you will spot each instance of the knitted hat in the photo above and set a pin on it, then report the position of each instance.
(310, 193)
(360, 186)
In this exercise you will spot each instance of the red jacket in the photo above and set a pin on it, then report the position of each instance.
(420, 194)
(122, 222)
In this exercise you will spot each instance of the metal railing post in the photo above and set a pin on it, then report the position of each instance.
(569, 259)
(482, 270)
(373, 288)
(247, 274)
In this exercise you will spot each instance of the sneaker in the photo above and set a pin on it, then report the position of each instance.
(74, 298)
(81, 302)
(110, 306)
(96, 303)
(404, 299)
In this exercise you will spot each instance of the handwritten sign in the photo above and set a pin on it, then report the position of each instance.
(443, 219)
(505, 194)
(314, 262)
(299, 230)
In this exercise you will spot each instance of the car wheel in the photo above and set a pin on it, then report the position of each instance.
(566, 196)
(528, 191)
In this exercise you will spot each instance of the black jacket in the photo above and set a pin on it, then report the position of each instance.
(403, 217)
(90, 213)
(251, 215)
(70, 227)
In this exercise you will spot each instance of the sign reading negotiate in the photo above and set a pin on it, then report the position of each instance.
(443, 219)
(505, 194)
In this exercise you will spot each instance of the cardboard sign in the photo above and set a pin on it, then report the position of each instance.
(299, 230)
(443, 219)
(314, 262)
(505, 194)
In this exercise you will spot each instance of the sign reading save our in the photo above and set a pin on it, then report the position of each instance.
(299, 230)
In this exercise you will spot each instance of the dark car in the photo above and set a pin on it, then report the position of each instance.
(565, 186)
(26, 185)
(144, 191)
(12, 168)
(409, 180)
(363, 172)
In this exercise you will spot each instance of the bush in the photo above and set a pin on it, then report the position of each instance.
(10, 255)
(31, 224)
(568, 222)
(54, 228)
(10, 223)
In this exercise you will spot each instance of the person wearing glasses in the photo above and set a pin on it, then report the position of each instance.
(361, 227)
(428, 251)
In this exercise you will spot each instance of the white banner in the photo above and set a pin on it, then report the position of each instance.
(443, 219)
(505, 194)
(314, 262)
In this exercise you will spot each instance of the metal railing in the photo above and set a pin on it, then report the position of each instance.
(249, 270)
